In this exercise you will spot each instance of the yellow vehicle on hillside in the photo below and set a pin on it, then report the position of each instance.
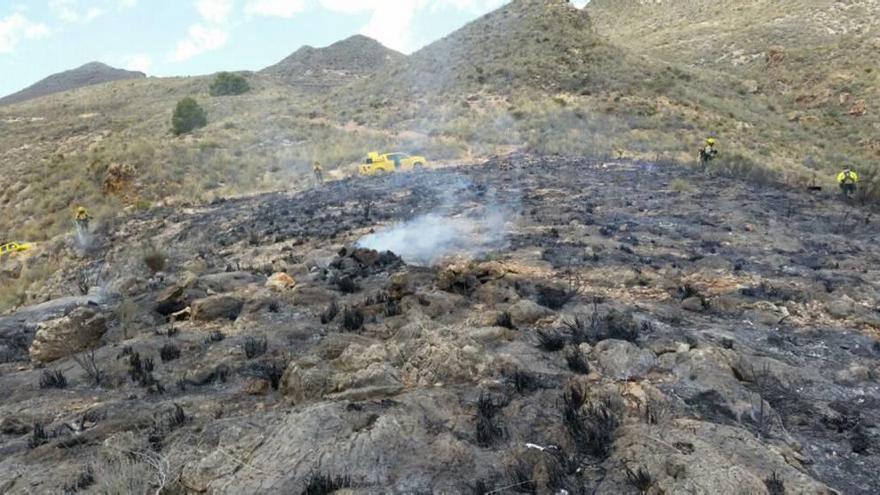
(15, 247)
(380, 164)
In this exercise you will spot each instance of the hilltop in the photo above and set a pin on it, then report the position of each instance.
(89, 74)
(340, 63)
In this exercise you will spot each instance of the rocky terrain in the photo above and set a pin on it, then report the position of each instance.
(541, 324)
(86, 75)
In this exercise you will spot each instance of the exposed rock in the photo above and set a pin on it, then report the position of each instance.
(216, 307)
(171, 300)
(229, 281)
(694, 304)
(255, 386)
(853, 375)
(76, 332)
(281, 282)
(306, 384)
(624, 360)
(526, 312)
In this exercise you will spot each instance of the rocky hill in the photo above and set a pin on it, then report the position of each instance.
(86, 75)
(340, 63)
(554, 324)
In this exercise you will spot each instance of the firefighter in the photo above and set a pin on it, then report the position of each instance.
(848, 180)
(708, 152)
(319, 172)
(82, 219)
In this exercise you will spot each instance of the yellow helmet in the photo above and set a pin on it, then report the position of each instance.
(81, 210)
(710, 141)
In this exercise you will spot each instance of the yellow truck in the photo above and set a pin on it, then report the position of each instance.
(380, 164)
(15, 247)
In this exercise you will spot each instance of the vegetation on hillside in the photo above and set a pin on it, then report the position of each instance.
(229, 84)
(188, 116)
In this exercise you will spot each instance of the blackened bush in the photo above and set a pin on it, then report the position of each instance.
(269, 371)
(322, 484)
(392, 308)
(520, 474)
(590, 427)
(553, 298)
(228, 84)
(52, 379)
(775, 485)
(488, 429)
(504, 320)
(330, 313)
(640, 479)
(38, 436)
(346, 285)
(83, 480)
(523, 381)
(595, 328)
(352, 319)
(188, 116)
(550, 340)
(254, 347)
(215, 336)
(576, 362)
(169, 352)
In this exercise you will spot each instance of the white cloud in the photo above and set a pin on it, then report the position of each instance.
(275, 8)
(199, 39)
(15, 27)
(70, 11)
(139, 61)
(216, 11)
(391, 22)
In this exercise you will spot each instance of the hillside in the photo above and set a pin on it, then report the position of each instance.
(813, 61)
(580, 325)
(340, 63)
(86, 75)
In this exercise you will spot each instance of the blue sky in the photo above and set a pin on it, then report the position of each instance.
(186, 37)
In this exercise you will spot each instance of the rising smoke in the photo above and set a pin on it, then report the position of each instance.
(454, 228)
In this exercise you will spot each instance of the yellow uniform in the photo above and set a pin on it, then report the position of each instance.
(848, 180)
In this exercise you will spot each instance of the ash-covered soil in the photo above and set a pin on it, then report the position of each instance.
(555, 324)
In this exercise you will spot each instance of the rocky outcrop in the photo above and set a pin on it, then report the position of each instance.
(217, 307)
(76, 332)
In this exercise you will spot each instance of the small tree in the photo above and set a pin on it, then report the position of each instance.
(188, 116)
(227, 84)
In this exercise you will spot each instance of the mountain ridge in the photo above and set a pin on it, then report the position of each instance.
(88, 74)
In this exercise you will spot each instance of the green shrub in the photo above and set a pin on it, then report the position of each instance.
(188, 116)
(228, 84)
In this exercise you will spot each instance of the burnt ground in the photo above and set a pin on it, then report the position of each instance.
(638, 328)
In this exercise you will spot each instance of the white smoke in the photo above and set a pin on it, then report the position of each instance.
(427, 239)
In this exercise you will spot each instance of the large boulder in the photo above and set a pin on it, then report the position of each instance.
(229, 281)
(216, 307)
(624, 360)
(67, 335)
(526, 312)
(170, 300)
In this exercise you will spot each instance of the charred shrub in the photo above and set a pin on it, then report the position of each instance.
(353, 319)
(322, 484)
(346, 285)
(166, 422)
(520, 477)
(83, 480)
(640, 479)
(52, 379)
(169, 352)
(141, 372)
(550, 340)
(590, 426)
(523, 381)
(481, 487)
(392, 308)
(576, 362)
(595, 328)
(89, 365)
(215, 336)
(329, 314)
(38, 436)
(154, 259)
(775, 485)
(504, 320)
(488, 429)
(254, 347)
(553, 298)
(269, 371)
